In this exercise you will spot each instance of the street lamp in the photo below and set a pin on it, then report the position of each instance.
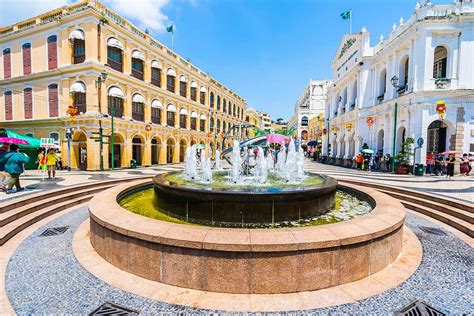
(394, 82)
(98, 82)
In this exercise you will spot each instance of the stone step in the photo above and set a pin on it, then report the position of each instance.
(451, 210)
(13, 228)
(455, 222)
(18, 212)
(7, 206)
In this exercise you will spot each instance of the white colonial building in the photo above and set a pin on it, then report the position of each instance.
(432, 56)
(312, 102)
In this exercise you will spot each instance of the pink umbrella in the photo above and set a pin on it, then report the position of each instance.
(448, 152)
(276, 138)
(12, 140)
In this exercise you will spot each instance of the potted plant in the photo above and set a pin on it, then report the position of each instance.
(404, 157)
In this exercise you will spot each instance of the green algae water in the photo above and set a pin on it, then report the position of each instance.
(346, 207)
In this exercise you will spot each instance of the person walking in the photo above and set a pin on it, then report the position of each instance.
(464, 166)
(51, 160)
(359, 161)
(430, 161)
(438, 165)
(388, 163)
(450, 166)
(14, 162)
(371, 162)
(4, 176)
(40, 159)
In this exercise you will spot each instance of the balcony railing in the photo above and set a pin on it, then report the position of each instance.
(381, 97)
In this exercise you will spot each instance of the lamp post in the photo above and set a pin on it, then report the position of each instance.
(98, 82)
(394, 82)
(68, 136)
(215, 131)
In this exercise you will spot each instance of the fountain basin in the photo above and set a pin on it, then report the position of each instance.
(242, 207)
(242, 260)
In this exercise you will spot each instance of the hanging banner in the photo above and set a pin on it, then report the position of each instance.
(441, 108)
(348, 127)
(370, 121)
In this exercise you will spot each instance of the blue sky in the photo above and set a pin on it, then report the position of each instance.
(264, 50)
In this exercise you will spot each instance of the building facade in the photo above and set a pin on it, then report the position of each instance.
(396, 89)
(86, 57)
(311, 103)
(266, 120)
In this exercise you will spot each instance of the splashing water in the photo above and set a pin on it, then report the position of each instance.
(190, 169)
(236, 162)
(218, 165)
(261, 168)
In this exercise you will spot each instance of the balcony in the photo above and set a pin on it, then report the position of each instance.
(442, 83)
(401, 90)
(381, 97)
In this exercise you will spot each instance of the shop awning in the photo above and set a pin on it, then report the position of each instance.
(77, 34)
(34, 142)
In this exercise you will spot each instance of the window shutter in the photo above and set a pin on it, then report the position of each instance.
(53, 100)
(27, 59)
(28, 103)
(52, 52)
(7, 68)
(8, 106)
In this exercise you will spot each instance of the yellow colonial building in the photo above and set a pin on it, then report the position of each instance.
(87, 58)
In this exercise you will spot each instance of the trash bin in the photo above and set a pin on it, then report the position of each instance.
(419, 169)
(133, 164)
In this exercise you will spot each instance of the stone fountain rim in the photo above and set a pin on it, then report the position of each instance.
(387, 216)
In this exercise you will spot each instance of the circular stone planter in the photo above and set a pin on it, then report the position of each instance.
(236, 207)
(256, 261)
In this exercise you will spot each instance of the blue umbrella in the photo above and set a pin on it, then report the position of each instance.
(367, 151)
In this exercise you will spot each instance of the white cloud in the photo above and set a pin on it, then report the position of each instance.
(143, 13)
(13, 11)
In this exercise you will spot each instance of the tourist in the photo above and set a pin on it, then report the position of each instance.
(4, 176)
(59, 163)
(430, 162)
(359, 160)
(371, 162)
(438, 165)
(464, 166)
(40, 159)
(388, 162)
(14, 161)
(450, 166)
(51, 159)
(378, 161)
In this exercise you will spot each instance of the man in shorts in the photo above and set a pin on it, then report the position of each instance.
(51, 159)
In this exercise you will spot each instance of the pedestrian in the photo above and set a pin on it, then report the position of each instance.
(4, 176)
(14, 161)
(378, 158)
(359, 161)
(438, 165)
(388, 163)
(40, 160)
(59, 163)
(51, 159)
(450, 166)
(464, 166)
(430, 162)
(371, 162)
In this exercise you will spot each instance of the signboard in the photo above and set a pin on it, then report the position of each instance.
(48, 143)
(420, 142)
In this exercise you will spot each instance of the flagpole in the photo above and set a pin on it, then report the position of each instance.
(172, 40)
(350, 21)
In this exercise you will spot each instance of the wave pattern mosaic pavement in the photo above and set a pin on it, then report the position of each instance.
(44, 277)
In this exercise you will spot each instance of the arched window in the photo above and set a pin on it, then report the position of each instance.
(193, 120)
(26, 49)
(138, 61)
(8, 105)
(344, 100)
(156, 73)
(193, 91)
(403, 71)
(382, 85)
(115, 98)
(170, 114)
(54, 135)
(182, 86)
(218, 126)
(53, 101)
(233, 110)
(52, 52)
(202, 95)
(156, 107)
(115, 54)
(224, 106)
(440, 62)
(211, 124)
(170, 80)
(138, 107)
(212, 100)
(218, 103)
(202, 123)
(304, 121)
(183, 114)
(77, 39)
(7, 63)
(78, 92)
(354, 94)
(28, 103)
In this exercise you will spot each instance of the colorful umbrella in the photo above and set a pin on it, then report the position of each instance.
(277, 138)
(367, 151)
(448, 152)
(13, 140)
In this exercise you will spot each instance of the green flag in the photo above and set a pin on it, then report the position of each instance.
(170, 28)
(346, 15)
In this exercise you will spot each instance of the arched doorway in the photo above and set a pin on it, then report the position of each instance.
(400, 137)
(193, 142)
(182, 149)
(79, 140)
(436, 135)
(137, 149)
(118, 147)
(155, 150)
(170, 143)
(380, 137)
